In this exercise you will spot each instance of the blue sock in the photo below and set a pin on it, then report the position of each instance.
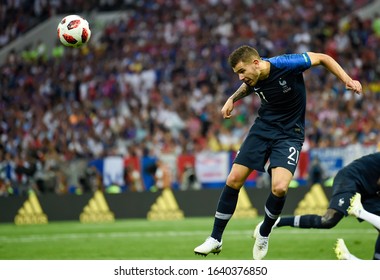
(226, 207)
(273, 208)
(304, 221)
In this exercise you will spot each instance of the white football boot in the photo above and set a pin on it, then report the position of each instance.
(260, 249)
(355, 205)
(341, 250)
(211, 245)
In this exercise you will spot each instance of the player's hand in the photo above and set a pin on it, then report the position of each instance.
(355, 86)
(228, 108)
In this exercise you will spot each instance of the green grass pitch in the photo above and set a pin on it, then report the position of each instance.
(175, 240)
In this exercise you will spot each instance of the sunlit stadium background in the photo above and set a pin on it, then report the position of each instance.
(122, 143)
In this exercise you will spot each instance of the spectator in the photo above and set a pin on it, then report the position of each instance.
(163, 176)
(151, 92)
(316, 172)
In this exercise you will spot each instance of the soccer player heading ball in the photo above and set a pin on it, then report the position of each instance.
(277, 134)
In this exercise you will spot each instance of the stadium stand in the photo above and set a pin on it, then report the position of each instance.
(154, 82)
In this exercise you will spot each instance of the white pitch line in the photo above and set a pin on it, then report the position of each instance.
(100, 235)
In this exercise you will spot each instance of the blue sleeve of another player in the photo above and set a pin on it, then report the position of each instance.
(300, 62)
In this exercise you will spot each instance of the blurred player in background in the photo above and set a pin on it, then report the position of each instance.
(356, 191)
(277, 134)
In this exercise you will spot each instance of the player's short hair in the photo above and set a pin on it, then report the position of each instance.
(243, 53)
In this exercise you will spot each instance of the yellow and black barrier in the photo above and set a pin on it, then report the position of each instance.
(162, 205)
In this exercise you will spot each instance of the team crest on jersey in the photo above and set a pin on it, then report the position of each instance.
(341, 202)
(285, 87)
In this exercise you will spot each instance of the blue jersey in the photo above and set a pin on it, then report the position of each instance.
(283, 93)
(362, 176)
(365, 173)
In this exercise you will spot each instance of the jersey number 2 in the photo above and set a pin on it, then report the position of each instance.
(294, 156)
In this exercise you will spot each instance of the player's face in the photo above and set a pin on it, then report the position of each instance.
(249, 73)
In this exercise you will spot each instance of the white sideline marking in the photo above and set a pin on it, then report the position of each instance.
(139, 234)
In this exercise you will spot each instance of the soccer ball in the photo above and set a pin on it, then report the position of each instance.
(73, 31)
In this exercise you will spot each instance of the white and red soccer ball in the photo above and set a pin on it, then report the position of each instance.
(73, 31)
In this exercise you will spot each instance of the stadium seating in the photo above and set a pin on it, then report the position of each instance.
(154, 83)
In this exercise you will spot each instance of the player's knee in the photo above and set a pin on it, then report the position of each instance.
(279, 189)
(235, 180)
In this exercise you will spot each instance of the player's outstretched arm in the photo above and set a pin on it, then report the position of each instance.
(330, 64)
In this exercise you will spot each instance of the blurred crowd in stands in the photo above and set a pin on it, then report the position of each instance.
(156, 80)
